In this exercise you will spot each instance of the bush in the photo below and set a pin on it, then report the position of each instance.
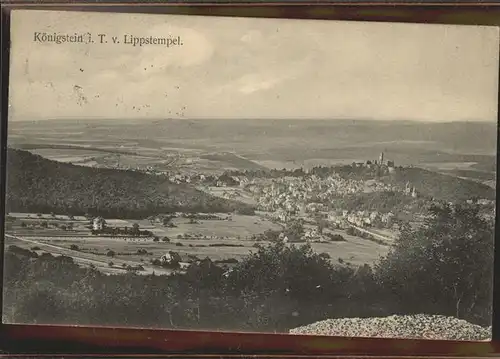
(246, 211)
(74, 247)
(336, 238)
(110, 253)
(22, 251)
(228, 261)
(46, 256)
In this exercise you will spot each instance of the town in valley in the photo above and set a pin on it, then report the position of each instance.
(350, 210)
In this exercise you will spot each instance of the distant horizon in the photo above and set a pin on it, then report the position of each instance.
(259, 119)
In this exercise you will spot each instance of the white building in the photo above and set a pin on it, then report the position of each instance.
(98, 223)
(170, 258)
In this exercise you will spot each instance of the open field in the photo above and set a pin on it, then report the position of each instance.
(355, 250)
(217, 239)
(44, 244)
(449, 165)
(237, 226)
(474, 171)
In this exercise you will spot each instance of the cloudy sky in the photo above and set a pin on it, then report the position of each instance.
(252, 68)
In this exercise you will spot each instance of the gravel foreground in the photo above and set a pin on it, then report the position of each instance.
(419, 326)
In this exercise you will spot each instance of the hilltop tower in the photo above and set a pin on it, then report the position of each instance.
(381, 159)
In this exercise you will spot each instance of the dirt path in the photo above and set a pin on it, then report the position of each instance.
(386, 239)
(88, 258)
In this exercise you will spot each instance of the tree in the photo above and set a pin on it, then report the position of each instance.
(445, 267)
(293, 278)
(321, 225)
(110, 253)
(167, 221)
(278, 266)
(295, 230)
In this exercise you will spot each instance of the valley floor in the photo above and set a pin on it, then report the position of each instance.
(223, 241)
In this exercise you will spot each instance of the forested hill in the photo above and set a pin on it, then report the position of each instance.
(440, 186)
(36, 184)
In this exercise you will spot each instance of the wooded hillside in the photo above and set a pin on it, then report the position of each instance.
(36, 184)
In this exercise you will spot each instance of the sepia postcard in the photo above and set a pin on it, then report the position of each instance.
(251, 175)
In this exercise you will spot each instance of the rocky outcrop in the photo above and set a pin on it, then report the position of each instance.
(399, 326)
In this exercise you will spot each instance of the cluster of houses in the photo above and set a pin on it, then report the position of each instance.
(307, 194)
(365, 218)
(410, 190)
(481, 202)
(340, 219)
(310, 235)
(221, 180)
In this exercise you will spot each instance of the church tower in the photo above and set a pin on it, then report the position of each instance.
(381, 159)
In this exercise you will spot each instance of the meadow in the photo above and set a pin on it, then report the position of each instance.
(220, 240)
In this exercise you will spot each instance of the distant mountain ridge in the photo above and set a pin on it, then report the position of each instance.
(457, 137)
(36, 184)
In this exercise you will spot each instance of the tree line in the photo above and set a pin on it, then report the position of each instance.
(443, 268)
